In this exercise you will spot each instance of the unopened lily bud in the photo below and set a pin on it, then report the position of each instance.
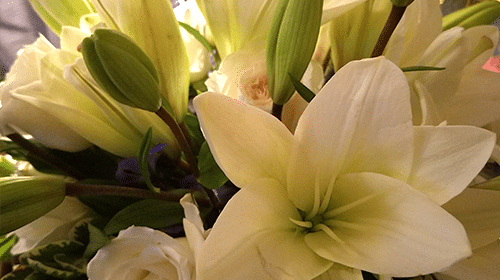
(122, 68)
(25, 199)
(401, 3)
(483, 13)
(57, 14)
(291, 44)
(153, 26)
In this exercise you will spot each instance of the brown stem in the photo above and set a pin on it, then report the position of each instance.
(185, 131)
(6, 268)
(277, 111)
(179, 136)
(44, 156)
(77, 189)
(393, 20)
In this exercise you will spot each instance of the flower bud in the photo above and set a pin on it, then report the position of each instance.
(291, 44)
(153, 26)
(25, 199)
(483, 13)
(123, 69)
(57, 14)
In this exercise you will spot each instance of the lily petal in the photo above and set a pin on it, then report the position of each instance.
(251, 144)
(372, 133)
(394, 231)
(479, 211)
(335, 8)
(254, 238)
(341, 272)
(447, 158)
(420, 25)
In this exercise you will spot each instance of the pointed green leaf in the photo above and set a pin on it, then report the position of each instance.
(149, 213)
(98, 239)
(211, 175)
(142, 159)
(305, 92)
(421, 68)
(6, 244)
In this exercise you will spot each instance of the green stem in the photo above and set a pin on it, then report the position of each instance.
(277, 111)
(78, 189)
(44, 156)
(181, 139)
(393, 20)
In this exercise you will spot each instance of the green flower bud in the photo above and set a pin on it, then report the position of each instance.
(25, 199)
(57, 14)
(291, 44)
(122, 68)
(483, 13)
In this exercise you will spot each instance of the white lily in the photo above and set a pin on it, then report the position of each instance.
(463, 93)
(86, 111)
(236, 23)
(356, 188)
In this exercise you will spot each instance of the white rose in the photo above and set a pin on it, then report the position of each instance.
(143, 253)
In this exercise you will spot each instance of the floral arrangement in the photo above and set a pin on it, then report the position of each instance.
(267, 139)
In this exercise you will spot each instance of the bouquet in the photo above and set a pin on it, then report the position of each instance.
(267, 139)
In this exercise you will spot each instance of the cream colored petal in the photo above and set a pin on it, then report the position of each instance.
(335, 8)
(360, 121)
(447, 158)
(482, 265)
(253, 238)
(386, 227)
(479, 211)
(341, 272)
(246, 142)
(420, 25)
(71, 38)
(477, 99)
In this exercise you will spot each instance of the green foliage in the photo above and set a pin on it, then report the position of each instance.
(211, 176)
(6, 244)
(142, 159)
(148, 213)
(421, 68)
(193, 126)
(305, 92)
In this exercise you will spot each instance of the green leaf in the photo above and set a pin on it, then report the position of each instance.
(107, 205)
(197, 35)
(149, 213)
(193, 126)
(492, 184)
(18, 274)
(98, 239)
(211, 175)
(58, 259)
(305, 92)
(6, 244)
(142, 158)
(421, 68)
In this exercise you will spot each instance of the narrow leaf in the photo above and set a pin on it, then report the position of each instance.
(211, 175)
(6, 244)
(421, 68)
(148, 213)
(197, 35)
(305, 92)
(142, 158)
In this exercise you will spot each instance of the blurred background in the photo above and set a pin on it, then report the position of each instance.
(20, 25)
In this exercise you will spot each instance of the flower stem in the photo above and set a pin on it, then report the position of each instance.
(277, 111)
(78, 189)
(181, 139)
(45, 156)
(393, 20)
